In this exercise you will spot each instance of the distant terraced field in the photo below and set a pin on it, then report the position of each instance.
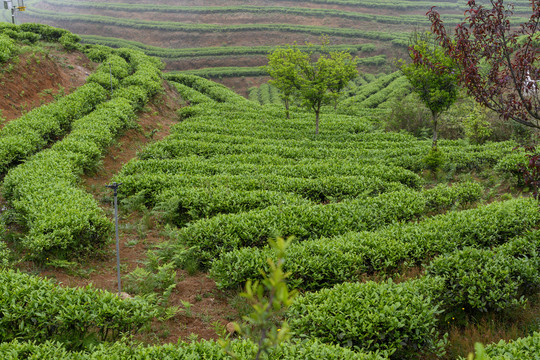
(228, 35)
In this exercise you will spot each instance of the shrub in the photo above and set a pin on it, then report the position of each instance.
(209, 238)
(36, 309)
(522, 348)
(70, 41)
(399, 319)
(324, 262)
(204, 349)
(7, 47)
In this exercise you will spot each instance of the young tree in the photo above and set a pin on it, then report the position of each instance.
(312, 76)
(432, 75)
(498, 61)
(281, 67)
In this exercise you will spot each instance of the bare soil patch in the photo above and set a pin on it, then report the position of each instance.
(34, 78)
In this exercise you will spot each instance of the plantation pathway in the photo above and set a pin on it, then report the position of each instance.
(138, 234)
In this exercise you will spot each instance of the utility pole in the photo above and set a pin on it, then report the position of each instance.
(115, 186)
(8, 5)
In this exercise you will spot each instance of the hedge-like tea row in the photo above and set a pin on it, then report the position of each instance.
(61, 217)
(33, 131)
(190, 94)
(522, 348)
(208, 238)
(324, 262)
(202, 28)
(214, 51)
(395, 318)
(204, 349)
(195, 165)
(7, 48)
(182, 205)
(320, 189)
(37, 309)
(215, 91)
(408, 155)
(399, 319)
(489, 279)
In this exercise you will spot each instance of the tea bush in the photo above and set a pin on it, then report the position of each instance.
(30, 133)
(399, 319)
(36, 309)
(7, 47)
(209, 238)
(488, 280)
(204, 349)
(324, 262)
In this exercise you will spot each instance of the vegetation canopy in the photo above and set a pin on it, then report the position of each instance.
(498, 61)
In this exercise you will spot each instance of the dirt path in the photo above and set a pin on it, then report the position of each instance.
(138, 234)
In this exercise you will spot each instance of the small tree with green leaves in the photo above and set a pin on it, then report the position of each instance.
(433, 76)
(281, 67)
(316, 78)
(268, 298)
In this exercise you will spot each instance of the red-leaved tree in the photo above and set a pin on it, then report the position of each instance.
(498, 60)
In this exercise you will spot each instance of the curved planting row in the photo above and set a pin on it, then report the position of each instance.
(207, 239)
(303, 11)
(40, 127)
(190, 27)
(408, 155)
(44, 191)
(402, 319)
(39, 310)
(215, 91)
(167, 53)
(324, 262)
(204, 349)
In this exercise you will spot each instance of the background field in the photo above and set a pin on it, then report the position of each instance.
(191, 35)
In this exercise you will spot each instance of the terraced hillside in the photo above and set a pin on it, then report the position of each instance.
(228, 35)
(394, 258)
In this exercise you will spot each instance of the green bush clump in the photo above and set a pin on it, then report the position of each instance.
(30, 133)
(70, 41)
(61, 218)
(183, 205)
(24, 36)
(48, 33)
(319, 263)
(488, 280)
(443, 196)
(208, 238)
(7, 47)
(191, 95)
(136, 96)
(213, 90)
(97, 53)
(398, 319)
(509, 166)
(522, 348)
(204, 349)
(37, 309)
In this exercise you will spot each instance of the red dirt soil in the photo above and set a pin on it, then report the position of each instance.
(33, 78)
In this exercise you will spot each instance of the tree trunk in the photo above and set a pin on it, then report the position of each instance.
(317, 122)
(287, 107)
(434, 143)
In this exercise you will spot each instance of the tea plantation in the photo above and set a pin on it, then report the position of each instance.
(391, 256)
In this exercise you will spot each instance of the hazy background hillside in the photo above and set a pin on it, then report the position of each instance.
(233, 30)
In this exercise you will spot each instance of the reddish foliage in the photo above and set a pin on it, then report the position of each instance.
(497, 60)
(531, 171)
